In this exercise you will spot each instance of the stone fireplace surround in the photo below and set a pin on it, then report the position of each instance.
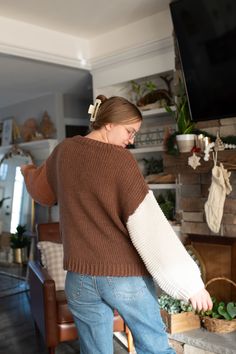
(217, 251)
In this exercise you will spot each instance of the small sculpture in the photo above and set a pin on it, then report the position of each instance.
(219, 145)
(28, 130)
(46, 126)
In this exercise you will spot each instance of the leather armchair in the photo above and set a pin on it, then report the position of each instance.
(51, 314)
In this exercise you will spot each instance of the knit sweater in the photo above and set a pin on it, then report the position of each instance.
(110, 222)
(97, 187)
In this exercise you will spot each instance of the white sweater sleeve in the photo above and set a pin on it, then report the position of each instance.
(162, 252)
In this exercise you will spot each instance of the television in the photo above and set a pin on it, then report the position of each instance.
(206, 38)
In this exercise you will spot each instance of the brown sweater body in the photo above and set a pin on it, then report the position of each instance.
(97, 186)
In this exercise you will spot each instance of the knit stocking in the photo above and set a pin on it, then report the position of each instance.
(220, 186)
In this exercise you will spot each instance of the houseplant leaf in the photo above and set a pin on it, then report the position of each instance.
(231, 309)
(222, 311)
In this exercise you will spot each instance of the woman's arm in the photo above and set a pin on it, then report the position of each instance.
(37, 184)
(164, 255)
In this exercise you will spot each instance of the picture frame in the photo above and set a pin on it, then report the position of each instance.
(7, 130)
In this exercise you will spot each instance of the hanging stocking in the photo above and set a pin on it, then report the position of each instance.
(220, 186)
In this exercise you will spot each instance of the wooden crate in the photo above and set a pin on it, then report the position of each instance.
(180, 322)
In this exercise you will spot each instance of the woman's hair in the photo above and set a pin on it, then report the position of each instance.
(115, 110)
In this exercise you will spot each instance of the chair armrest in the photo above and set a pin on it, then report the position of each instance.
(43, 302)
(40, 272)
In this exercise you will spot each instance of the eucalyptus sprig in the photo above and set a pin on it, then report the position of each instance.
(173, 306)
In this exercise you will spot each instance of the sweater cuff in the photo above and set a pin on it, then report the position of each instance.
(37, 185)
(162, 252)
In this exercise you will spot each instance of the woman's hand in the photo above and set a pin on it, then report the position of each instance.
(201, 301)
(23, 168)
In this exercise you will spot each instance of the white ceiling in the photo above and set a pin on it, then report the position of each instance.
(82, 18)
(22, 79)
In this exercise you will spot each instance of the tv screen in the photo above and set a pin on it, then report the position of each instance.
(206, 36)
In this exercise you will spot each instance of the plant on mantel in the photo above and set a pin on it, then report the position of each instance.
(181, 113)
(170, 142)
(182, 117)
(185, 125)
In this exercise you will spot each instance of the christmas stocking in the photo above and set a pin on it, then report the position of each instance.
(220, 186)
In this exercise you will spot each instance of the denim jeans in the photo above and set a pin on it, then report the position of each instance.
(92, 299)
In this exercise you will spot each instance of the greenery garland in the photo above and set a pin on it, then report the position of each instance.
(172, 149)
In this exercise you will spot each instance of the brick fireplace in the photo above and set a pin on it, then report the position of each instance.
(217, 251)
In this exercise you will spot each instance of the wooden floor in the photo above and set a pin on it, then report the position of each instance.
(17, 334)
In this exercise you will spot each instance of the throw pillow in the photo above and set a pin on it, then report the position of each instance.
(52, 259)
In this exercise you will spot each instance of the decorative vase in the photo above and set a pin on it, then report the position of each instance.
(185, 142)
(20, 255)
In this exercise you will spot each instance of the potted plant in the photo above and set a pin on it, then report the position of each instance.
(177, 315)
(19, 243)
(148, 96)
(185, 136)
(222, 317)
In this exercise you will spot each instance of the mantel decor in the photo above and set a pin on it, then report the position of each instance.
(172, 149)
(178, 164)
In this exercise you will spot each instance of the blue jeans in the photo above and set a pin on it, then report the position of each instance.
(92, 299)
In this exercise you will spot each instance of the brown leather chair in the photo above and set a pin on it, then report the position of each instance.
(52, 317)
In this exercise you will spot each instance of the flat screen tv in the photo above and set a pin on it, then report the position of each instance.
(206, 36)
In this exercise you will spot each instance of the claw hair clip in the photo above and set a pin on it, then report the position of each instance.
(93, 109)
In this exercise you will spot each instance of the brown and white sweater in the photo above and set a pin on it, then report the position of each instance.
(110, 222)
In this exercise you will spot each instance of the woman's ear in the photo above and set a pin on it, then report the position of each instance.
(109, 126)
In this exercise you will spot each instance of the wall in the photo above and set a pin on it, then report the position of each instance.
(195, 188)
(34, 108)
(194, 194)
(194, 184)
(146, 61)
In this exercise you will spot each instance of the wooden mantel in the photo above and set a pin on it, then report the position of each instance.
(176, 164)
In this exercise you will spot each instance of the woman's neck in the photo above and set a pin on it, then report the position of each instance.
(99, 135)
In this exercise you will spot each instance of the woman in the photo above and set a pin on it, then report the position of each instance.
(115, 236)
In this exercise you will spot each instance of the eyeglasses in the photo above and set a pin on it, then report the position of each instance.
(131, 132)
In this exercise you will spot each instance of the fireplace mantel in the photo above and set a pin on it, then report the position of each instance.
(176, 164)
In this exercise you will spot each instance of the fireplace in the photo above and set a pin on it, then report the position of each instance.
(218, 255)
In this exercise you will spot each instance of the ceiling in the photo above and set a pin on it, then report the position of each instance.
(23, 79)
(82, 18)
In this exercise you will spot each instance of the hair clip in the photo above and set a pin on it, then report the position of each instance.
(93, 109)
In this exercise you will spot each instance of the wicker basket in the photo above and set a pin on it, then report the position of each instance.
(215, 324)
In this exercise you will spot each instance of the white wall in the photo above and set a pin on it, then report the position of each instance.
(34, 108)
(30, 108)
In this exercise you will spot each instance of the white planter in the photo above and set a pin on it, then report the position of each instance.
(185, 142)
